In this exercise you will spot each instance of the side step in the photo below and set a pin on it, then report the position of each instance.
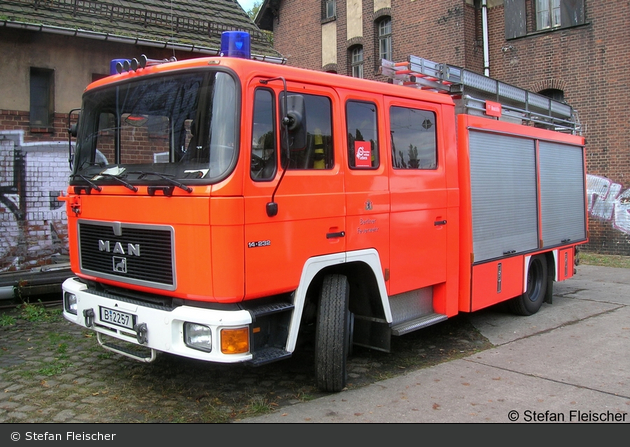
(413, 325)
(268, 355)
(269, 309)
(270, 322)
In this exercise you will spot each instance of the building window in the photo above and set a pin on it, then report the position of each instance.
(329, 9)
(547, 14)
(41, 102)
(385, 39)
(553, 93)
(523, 17)
(356, 64)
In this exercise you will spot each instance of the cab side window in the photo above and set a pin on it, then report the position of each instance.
(318, 153)
(414, 142)
(362, 135)
(263, 154)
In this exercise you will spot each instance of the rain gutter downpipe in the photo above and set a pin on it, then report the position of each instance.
(484, 25)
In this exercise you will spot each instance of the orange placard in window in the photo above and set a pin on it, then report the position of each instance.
(362, 154)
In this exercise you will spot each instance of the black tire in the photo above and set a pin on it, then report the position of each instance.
(530, 302)
(333, 334)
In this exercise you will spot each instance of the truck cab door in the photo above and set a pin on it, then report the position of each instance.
(366, 177)
(419, 221)
(308, 199)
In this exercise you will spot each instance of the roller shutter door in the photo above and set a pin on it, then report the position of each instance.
(562, 193)
(503, 194)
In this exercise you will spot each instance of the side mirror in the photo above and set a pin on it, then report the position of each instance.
(72, 133)
(294, 122)
(72, 130)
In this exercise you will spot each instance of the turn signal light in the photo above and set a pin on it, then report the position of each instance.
(235, 341)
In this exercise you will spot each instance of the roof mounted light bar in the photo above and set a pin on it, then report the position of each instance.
(123, 65)
(233, 44)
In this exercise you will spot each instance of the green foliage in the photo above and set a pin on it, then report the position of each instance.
(254, 11)
(6, 320)
(37, 312)
(33, 313)
(53, 368)
(259, 406)
(604, 260)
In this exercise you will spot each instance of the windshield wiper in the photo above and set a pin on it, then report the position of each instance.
(87, 189)
(173, 182)
(120, 180)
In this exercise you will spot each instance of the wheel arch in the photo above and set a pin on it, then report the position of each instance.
(536, 287)
(552, 268)
(368, 295)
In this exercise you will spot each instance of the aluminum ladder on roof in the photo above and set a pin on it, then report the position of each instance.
(471, 91)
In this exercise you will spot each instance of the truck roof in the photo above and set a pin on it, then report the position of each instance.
(248, 68)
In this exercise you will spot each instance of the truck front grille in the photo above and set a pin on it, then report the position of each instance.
(130, 253)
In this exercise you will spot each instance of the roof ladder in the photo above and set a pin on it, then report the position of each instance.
(474, 93)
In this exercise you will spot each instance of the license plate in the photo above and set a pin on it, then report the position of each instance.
(118, 318)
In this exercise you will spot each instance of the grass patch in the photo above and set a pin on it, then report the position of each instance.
(53, 368)
(259, 406)
(6, 320)
(617, 261)
(36, 313)
(305, 397)
(31, 312)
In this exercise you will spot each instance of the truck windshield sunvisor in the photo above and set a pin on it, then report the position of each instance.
(168, 130)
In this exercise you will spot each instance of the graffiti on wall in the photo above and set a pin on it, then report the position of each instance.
(32, 221)
(607, 202)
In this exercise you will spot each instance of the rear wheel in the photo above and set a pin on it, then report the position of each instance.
(530, 302)
(333, 336)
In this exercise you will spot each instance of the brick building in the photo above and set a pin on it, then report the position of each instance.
(51, 50)
(572, 50)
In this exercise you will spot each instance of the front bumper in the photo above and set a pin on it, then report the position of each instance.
(154, 329)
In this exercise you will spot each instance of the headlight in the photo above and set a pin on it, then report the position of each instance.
(70, 303)
(198, 336)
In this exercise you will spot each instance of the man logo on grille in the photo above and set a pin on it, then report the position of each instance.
(120, 264)
(106, 246)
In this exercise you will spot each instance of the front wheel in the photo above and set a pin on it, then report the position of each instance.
(530, 302)
(333, 336)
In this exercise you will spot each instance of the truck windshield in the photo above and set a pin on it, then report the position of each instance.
(168, 128)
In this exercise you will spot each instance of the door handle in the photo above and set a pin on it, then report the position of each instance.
(439, 222)
(335, 235)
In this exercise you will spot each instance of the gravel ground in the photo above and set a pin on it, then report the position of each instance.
(52, 371)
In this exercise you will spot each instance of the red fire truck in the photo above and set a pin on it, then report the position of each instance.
(219, 205)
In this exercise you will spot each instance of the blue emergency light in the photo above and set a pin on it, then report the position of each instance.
(113, 69)
(235, 44)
